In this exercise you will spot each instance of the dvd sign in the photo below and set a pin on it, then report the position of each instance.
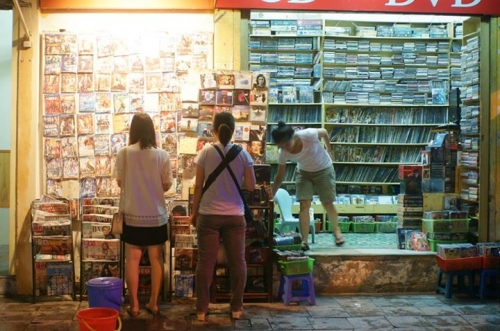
(434, 3)
(454, 7)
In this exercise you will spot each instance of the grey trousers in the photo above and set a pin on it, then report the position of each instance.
(210, 229)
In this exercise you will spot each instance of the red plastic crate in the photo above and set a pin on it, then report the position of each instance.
(490, 262)
(466, 263)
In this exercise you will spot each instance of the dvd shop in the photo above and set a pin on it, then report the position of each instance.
(406, 90)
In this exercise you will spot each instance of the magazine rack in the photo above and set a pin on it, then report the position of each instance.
(52, 249)
(182, 251)
(100, 251)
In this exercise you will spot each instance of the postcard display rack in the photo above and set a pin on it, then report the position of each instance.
(92, 85)
(379, 89)
(52, 249)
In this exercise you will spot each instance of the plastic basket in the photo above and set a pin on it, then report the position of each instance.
(466, 263)
(445, 226)
(366, 227)
(297, 267)
(386, 227)
(433, 243)
(490, 262)
(295, 247)
(344, 226)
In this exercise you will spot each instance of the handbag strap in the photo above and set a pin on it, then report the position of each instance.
(224, 160)
(122, 188)
(231, 155)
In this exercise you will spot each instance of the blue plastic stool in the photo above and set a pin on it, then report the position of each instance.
(447, 287)
(305, 294)
(492, 276)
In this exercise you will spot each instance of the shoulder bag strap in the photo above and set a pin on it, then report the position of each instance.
(225, 160)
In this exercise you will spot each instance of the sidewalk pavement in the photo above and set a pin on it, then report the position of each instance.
(406, 312)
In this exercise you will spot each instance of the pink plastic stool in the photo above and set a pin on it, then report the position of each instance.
(305, 294)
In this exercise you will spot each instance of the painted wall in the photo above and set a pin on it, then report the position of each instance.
(5, 104)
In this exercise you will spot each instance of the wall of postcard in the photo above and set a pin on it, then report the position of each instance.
(92, 84)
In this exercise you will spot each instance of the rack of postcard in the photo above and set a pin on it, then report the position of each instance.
(52, 248)
(101, 251)
(93, 84)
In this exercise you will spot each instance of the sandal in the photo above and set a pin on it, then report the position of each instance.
(339, 241)
(151, 310)
(305, 247)
(132, 312)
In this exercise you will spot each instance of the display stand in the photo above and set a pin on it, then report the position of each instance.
(101, 252)
(52, 249)
(258, 257)
(183, 252)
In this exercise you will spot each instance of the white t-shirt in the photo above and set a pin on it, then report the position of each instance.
(313, 156)
(145, 172)
(222, 197)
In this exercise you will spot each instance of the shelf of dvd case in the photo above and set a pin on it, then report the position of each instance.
(310, 114)
(474, 73)
(366, 183)
(384, 134)
(371, 163)
(52, 248)
(333, 143)
(295, 104)
(383, 124)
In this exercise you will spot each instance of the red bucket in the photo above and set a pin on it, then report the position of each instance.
(98, 319)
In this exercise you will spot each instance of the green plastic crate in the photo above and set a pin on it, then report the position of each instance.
(294, 247)
(386, 227)
(365, 227)
(433, 243)
(297, 267)
(344, 226)
(445, 226)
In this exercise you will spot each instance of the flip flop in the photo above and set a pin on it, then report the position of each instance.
(305, 247)
(132, 312)
(151, 310)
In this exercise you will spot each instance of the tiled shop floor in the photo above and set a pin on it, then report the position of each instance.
(410, 312)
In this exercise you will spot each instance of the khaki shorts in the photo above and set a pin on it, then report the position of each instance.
(322, 182)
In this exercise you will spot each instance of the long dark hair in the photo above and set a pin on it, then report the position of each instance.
(283, 132)
(142, 130)
(224, 124)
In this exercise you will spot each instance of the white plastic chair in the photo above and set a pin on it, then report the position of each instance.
(284, 202)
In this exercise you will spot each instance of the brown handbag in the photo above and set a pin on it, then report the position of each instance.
(117, 223)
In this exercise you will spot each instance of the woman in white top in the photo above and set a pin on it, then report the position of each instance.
(144, 173)
(218, 214)
(314, 172)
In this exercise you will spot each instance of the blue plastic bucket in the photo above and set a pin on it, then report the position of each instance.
(105, 292)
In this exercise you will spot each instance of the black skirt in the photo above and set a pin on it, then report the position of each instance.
(144, 236)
